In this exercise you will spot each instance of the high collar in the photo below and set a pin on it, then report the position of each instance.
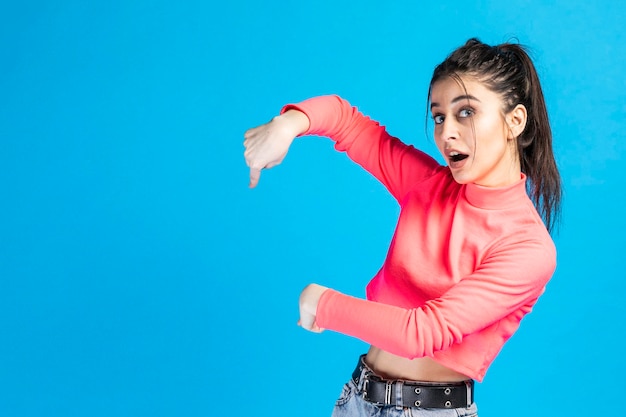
(494, 198)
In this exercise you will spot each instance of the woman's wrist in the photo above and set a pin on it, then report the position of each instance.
(295, 121)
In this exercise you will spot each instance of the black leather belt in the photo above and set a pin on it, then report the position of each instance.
(412, 393)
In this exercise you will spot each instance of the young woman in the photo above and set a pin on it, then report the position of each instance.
(471, 252)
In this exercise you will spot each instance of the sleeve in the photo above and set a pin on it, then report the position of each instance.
(509, 281)
(396, 165)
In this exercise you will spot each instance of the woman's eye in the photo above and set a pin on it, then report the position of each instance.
(438, 119)
(466, 113)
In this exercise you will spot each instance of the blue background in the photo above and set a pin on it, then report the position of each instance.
(139, 276)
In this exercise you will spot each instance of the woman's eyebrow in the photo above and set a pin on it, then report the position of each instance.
(465, 97)
(456, 99)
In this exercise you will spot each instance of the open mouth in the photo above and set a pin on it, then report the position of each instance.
(456, 157)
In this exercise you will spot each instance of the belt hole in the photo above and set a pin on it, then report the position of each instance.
(447, 391)
(448, 404)
(417, 403)
(417, 391)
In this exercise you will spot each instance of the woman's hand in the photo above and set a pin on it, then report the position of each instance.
(309, 298)
(267, 145)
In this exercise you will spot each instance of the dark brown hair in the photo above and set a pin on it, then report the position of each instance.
(507, 70)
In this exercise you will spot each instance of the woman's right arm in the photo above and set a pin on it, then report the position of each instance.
(396, 165)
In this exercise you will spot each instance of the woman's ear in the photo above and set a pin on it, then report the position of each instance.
(516, 121)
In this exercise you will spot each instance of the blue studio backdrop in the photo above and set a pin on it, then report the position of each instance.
(139, 276)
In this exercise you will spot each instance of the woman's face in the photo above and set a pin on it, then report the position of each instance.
(473, 134)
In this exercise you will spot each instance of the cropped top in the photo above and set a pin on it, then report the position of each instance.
(465, 263)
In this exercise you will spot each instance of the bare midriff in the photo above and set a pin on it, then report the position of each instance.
(391, 366)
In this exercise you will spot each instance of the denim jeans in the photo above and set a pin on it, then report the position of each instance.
(352, 404)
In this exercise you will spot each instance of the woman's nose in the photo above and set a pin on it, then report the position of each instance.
(449, 130)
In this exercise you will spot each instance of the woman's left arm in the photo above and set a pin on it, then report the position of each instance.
(509, 281)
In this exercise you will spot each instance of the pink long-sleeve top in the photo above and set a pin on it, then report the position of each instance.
(465, 264)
